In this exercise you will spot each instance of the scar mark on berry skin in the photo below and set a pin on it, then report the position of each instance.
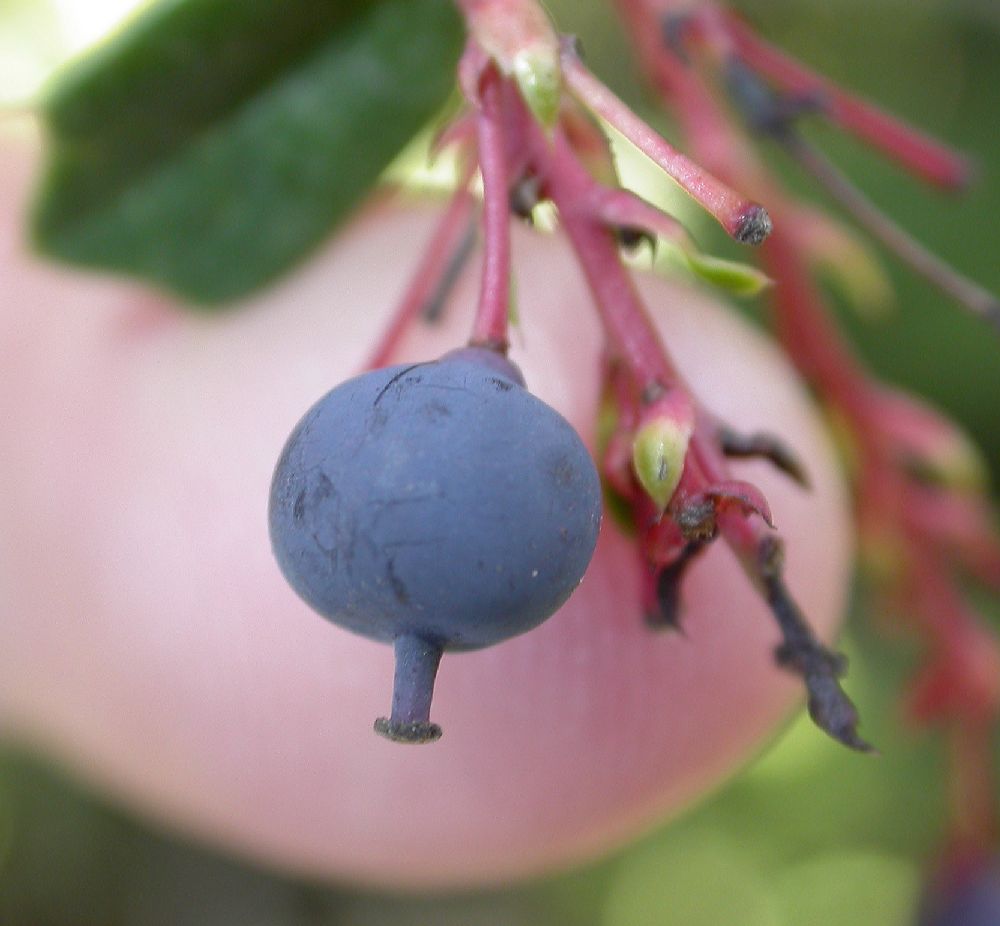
(435, 411)
(501, 385)
(299, 508)
(562, 472)
(389, 506)
(445, 388)
(392, 382)
(398, 586)
(331, 553)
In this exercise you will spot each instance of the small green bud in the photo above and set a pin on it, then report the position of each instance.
(733, 277)
(658, 453)
(539, 77)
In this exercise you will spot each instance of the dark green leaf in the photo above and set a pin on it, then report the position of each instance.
(213, 143)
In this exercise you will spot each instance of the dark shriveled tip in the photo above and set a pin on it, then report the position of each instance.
(407, 732)
(631, 238)
(417, 662)
(667, 614)
(834, 713)
(829, 707)
(764, 446)
(753, 225)
(800, 652)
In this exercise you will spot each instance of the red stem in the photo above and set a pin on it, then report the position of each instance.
(937, 271)
(630, 333)
(810, 337)
(975, 827)
(740, 217)
(912, 149)
(802, 323)
(619, 208)
(490, 326)
(956, 639)
(430, 271)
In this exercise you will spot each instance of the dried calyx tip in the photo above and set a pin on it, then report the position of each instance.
(407, 732)
(753, 225)
(417, 661)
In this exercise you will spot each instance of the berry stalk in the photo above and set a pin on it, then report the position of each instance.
(417, 661)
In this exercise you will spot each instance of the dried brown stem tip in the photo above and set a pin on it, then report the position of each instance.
(667, 615)
(800, 652)
(766, 447)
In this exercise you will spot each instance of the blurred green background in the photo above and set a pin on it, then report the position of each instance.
(810, 834)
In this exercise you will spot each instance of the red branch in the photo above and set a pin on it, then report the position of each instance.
(923, 156)
(745, 220)
(431, 271)
(961, 684)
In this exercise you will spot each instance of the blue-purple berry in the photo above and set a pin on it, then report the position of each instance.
(439, 506)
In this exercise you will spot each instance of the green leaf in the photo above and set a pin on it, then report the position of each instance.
(680, 255)
(214, 142)
(732, 276)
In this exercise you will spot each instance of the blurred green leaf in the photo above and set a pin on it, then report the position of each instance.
(733, 277)
(207, 147)
(704, 880)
